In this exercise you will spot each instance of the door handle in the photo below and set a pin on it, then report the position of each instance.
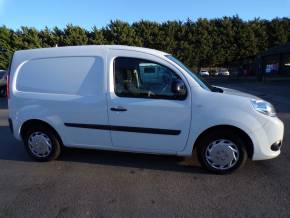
(119, 108)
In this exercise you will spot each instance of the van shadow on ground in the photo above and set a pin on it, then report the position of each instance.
(3, 103)
(11, 149)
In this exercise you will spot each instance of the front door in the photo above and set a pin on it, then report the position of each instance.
(144, 113)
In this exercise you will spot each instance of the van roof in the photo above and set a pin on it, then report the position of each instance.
(89, 49)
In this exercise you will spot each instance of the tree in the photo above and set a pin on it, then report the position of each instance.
(279, 31)
(49, 38)
(148, 33)
(74, 35)
(6, 50)
(200, 43)
(96, 37)
(259, 27)
(29, 38)
(121, 33)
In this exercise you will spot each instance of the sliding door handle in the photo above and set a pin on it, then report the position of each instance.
(119, 108)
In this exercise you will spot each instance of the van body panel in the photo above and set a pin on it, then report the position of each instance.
(73, 90)
(61, 89)
(156, 114)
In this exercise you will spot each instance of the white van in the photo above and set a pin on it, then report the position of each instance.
(101, 97)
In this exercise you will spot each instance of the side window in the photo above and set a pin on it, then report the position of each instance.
(140, 78)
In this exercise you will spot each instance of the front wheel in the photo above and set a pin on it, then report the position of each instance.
(221, 153)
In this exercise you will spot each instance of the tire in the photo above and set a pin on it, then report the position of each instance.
(221, 146)
(3, 92)
(43, 133)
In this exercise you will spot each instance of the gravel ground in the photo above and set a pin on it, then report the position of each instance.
(112, 184)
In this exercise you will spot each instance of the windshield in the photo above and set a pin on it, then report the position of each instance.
(195, 76)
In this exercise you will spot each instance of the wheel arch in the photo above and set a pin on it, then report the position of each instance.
(248, 141)
(28, 123)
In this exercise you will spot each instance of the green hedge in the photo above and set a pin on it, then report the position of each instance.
(200, 43)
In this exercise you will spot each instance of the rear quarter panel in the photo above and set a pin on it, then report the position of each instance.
(85, 103)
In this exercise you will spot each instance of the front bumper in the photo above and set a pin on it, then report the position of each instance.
(276, 146)
(268, 139)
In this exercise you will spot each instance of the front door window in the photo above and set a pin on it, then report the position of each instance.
(140, 78)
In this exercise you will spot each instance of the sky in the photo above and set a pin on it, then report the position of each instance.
(89, 13)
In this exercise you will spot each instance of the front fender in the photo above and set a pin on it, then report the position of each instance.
(211, 115)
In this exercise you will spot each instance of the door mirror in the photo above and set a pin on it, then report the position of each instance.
(178, 88)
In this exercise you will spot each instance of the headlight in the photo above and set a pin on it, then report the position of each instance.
(264, 107)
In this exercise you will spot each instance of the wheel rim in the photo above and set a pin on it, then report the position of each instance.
(222, 154)
(39, 144)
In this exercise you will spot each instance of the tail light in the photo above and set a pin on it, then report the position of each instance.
(8, 79)
(8, 85)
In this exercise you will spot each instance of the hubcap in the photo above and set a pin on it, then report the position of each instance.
(222, 154)
(39, 144)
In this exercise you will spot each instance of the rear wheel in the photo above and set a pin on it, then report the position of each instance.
(42, 143)
(221, 152)
(3, 92)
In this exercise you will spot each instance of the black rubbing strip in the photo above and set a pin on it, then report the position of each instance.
(146, 130)
(126, 129)
(88, 126)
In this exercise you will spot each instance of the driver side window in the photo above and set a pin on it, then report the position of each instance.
(140, 78)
